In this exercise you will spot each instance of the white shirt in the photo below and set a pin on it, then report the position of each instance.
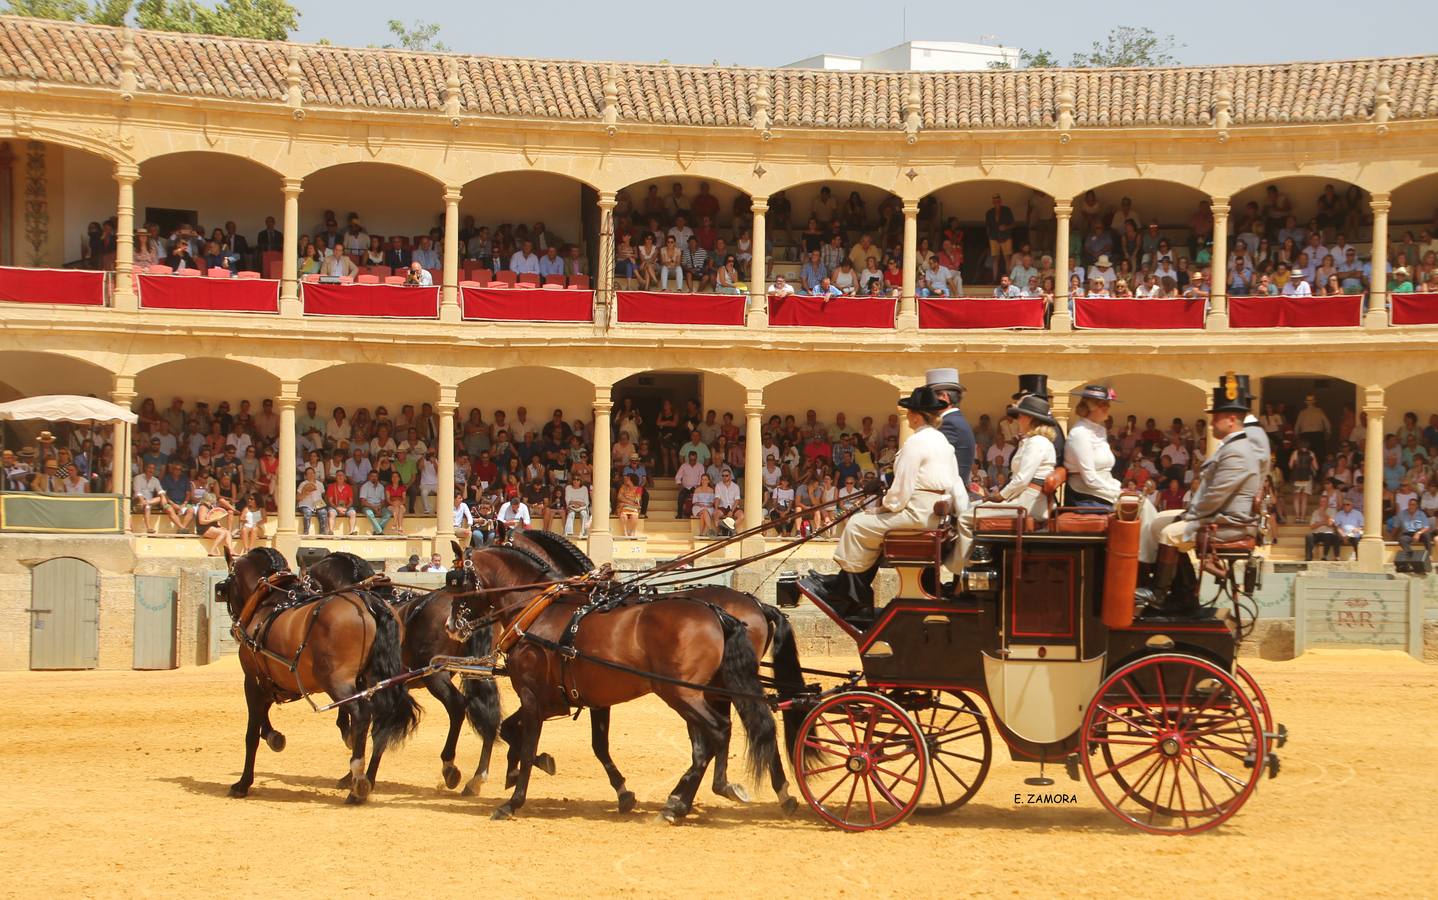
(1090, 461)
(1108, 276)
(781, 290)
(523, 264)
(1034, 460)
(688, 475)
(926, 462)
(514, 511)
(1297, 288)
(424, 278)
(726, 496)
(146, 487)
(576, 497)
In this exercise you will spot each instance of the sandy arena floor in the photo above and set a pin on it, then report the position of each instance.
(113, 783)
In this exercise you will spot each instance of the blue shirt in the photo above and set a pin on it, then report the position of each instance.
(549, 266)
(1349, 522)
(1393, 476)
(427, 258)
(1412, 524)
(830, 291)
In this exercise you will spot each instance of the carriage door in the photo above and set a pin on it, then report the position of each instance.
(221, 643)
(64, 615)
(155, 601)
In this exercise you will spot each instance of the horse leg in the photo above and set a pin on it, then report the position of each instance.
(445, 692)
(705, 734)
(529, 725)
(271, 735)
(344, 724)
(511, 731)
(730, 790)
(359, 785)
(257, 702)
(599, 740)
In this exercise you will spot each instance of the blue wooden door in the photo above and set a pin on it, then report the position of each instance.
(155, 599)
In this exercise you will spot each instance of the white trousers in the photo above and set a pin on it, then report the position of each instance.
(582, 515)
(864, 532)
(1166, 529)
(1033, 502)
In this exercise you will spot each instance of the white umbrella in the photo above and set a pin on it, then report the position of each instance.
(66, 408)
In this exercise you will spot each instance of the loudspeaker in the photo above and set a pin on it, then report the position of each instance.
(1414, 562)
(308, 556)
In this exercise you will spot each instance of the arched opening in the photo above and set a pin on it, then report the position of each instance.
(1413, 228)
(1333, 411)
(500, 212)
(522, 399)
(1154, 397)
(199, 192)
(1323, 217)
(717, 215)
(982, 238)
(1136, 223)
(29, 374)
(842, 403)
(1416, 394)
(350, 204)
(207, 380)
(860, 214)
(75, 187)
(368, 386)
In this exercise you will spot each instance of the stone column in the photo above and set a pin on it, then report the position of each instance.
(908, 319)
(758, 274)
(1377, 315)
(123, 395)
(1061, 408)
(601, 539)
(1218, 286)
(604, 276)
(1061, 320)
(905, 432)
(753, 467)
(124, 297)
(289, 256)
(449, 295)
(1371, 552)
(288, 399)
(444, 495)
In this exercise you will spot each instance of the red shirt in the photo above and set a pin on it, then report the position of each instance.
(486, 471)
(819, 449)
(704, 205)
(339, 495)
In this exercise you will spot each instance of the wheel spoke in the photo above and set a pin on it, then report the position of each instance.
(1136, 791)
(1132, 759)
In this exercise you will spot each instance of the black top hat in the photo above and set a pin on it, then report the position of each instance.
(1230, 396)
(1035, 407)
(1038, 385)
(1097, 392)
(1243, 384)
(923, 399)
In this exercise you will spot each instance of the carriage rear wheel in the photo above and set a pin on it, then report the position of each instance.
(861, 761)
(1181, 744)
(956, 734)
(1255, 694)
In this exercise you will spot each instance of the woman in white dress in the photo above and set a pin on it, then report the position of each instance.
(1031, 465)
(1087, 454)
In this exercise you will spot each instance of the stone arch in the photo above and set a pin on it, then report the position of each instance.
(567, 205)
(1302, 191)
(733, 200)
(968, 201)
(389, 198)
(1148, 395)
(26, 373)
(216, 185)
(540, 389)
(829, 393)
(1415, 207)
(355, 385)
(208, 379)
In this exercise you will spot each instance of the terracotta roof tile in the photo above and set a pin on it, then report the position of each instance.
(199, 66)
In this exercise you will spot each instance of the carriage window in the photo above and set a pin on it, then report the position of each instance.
(1043, 602)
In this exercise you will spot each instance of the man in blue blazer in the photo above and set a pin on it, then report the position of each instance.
(954, 427)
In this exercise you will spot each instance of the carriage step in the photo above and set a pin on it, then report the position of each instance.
(1273, 765)
(1071, 766)
(1279, 737)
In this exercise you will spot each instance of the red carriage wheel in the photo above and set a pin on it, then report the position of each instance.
(1260, 703)
(1172, 744)
(861, 761)
(960, 747)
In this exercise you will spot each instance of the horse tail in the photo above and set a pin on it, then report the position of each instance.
(395, 712)
(481, 695)
(739, 671)
(788, 674)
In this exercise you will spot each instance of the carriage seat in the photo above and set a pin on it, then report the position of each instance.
(920, 546)
(1241, 545)
(1080, 521)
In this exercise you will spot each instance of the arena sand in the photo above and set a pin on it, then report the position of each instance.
(113, 783)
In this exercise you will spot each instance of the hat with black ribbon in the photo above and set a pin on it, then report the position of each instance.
(923, 399)
(1035, 407)
(1230, 396)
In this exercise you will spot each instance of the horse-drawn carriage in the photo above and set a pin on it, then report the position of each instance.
(1039, 642)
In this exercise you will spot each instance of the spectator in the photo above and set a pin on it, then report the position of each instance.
(373, 502)
(1349, 524)
(396, 256)
(671, 262)
(339, 265)
(310, 502)
(697, 266)
(252, 523)
(148, 496)
(523, 261)
(418, 276)
(426, 255)
(1297, 286)
(999, 225)
(1007, 290)
(629, 504)
(688, 478)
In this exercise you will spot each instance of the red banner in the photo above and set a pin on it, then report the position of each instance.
(72, 287)
(1103, 312)
(835, 312)
(390, 301)
(523, 305)
(680, 309)
(1414, 309)
(1295, 312)
(980, 313)
(211, 294)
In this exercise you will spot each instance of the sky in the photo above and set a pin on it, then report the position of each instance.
(758, 33)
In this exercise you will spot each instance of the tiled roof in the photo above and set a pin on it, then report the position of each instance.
(696, 95)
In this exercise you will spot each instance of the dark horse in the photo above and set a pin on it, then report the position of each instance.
(296, 643)
(425, 637)
(767, 625)
(699, 653)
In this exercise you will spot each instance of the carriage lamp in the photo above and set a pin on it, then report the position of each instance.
(979, 581)
(786, 590)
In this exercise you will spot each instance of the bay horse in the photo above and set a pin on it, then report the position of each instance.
(673, 645)
(768, 627)
(425, 637)
(294, 643)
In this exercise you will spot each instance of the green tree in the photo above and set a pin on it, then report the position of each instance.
(419, 36)
(1127, 46)
(1037, 59)
(265, 19)
(103, 12)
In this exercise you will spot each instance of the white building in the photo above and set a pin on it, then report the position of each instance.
(916, 56)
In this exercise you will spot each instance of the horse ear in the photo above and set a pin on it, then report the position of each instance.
(229, 560)
(458, 551)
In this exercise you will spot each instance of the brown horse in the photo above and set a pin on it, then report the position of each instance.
(691, 654)
(767, 625)
(425, 637)
(294, 643)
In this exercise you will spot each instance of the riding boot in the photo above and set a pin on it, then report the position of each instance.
(1155, 597)
(862, 590)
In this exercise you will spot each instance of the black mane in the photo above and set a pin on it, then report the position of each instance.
(562, 548)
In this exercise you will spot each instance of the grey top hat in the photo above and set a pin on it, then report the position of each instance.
(942, 378)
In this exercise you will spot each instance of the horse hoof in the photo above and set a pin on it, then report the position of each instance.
(353, 800)
(545, 763)
(627, 801)
(238, 790)
(734, 791)
(344, 783)
(790, 806)
(451, 776)
(472, 787)
(668, 816)
(361, 789)
(503, 814)
(275, 740)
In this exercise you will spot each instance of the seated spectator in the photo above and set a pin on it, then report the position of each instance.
(698, 268)
(522, 262)
(396, 256)
(374, 254)
(374, 502)
(339, 264)
(418, 276)
(1007, 290)
(826, 289)
(726, 278)
(812, 272)
(1296, 286)
(426, 254)
(671, 264)
(550, 263)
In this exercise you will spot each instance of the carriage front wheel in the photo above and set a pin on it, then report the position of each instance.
(956, 734)
(1172, 744)
(861, 761)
